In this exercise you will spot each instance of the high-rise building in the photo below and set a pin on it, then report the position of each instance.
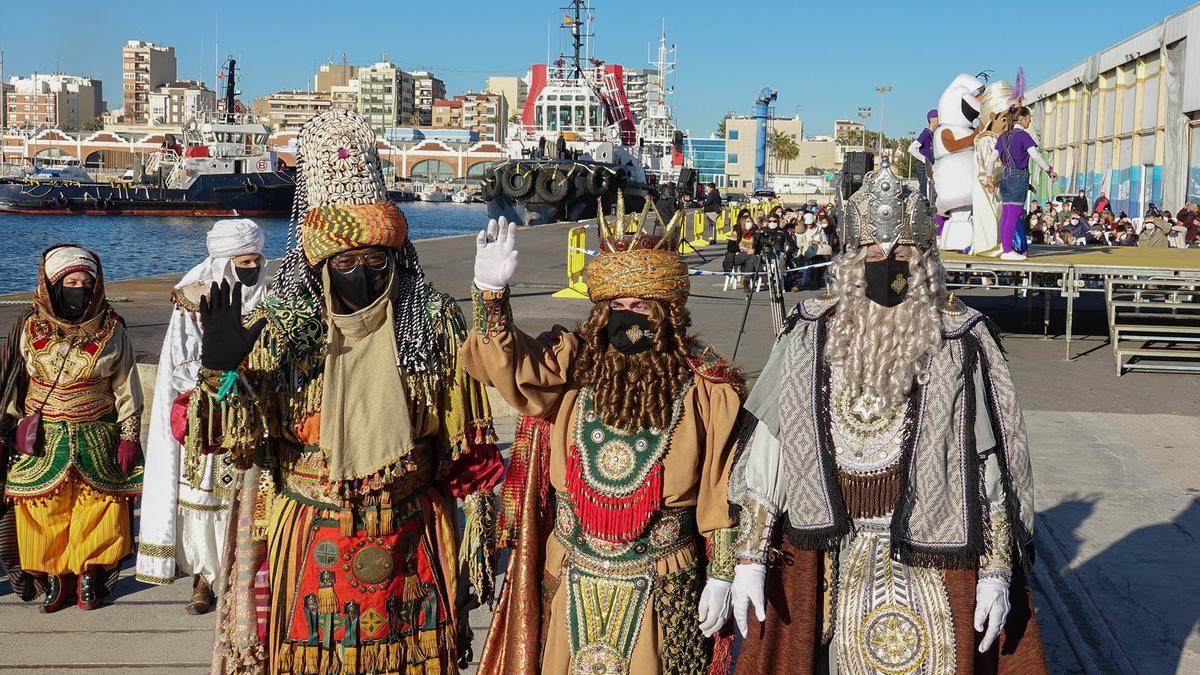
(333, 75)
(175, 103)
(144, 68)
(427, 88)
(291, 109)
(514, 90)
(55, 100)
(385, 96)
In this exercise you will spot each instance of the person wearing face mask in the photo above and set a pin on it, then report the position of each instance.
(72, 406)
(885, 497)
(635, 419)
(185, 504)
(359, 432)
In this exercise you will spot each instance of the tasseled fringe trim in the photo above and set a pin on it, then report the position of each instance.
(818, 540)
(871, 495)
(422, 653)
(613, 519)
(479, 543)
(43, 498)
(245, 660)
(963, 558)
(327, 600)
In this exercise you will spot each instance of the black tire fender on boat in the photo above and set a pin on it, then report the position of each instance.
(106, 203)
(552, 184)
(251, 188)
(590, 182)
(60, 200)
(516, 184)
(614, 179)
(490, 188)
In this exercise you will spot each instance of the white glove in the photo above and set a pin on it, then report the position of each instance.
(991, 609)
(495, 255)
(748, 582)
(714, 606)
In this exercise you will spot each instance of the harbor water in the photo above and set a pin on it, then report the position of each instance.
(139, 246)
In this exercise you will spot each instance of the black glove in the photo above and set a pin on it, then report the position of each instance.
(225, 343)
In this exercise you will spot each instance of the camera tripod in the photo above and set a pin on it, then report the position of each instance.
(768, 266)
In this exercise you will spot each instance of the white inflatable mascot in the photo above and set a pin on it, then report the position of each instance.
(954, 160)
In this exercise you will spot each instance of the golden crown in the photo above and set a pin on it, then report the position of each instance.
(625, 232)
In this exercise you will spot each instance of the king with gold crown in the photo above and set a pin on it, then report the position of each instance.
(614, 503)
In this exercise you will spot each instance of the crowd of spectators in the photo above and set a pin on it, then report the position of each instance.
(1077, 224)
(799, 238)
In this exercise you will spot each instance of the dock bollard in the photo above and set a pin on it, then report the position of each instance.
(576, 264)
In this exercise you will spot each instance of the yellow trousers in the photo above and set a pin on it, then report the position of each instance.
(72, 531)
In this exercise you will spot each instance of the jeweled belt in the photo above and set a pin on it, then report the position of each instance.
(82, 401)
(670, 530)
(305, 474)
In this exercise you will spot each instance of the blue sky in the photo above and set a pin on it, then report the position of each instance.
(824, 58)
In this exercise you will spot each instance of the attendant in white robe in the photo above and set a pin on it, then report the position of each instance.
(186, 498)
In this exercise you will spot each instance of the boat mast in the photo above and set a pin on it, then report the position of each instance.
(574, 23)
(230, 85)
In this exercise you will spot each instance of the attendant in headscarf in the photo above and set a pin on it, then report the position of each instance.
(185, 508)
(71, 388)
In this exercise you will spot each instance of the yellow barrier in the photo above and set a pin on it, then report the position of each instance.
(724, 228)
(576, 264)
(698, 223)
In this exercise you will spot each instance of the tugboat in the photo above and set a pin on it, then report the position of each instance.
(577, 145)
(223, 167)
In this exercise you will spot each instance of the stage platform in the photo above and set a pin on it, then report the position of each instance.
(1069, 271)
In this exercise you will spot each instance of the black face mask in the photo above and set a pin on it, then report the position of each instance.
(71, 303)
(361, 287)
(248, 275)
(887, 281)
(629, 332)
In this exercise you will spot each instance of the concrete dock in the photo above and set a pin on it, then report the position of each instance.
(1117, 482)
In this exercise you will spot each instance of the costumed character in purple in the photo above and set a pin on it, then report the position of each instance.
(922, 151)
(1014, 149)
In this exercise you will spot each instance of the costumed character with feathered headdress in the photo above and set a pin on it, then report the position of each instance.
(985, 200)
(628, 439)
(350, 391)
(886, 495)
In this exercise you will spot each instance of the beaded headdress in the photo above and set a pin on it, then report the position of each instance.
(635, 263)
(886, 212)
(346, 205)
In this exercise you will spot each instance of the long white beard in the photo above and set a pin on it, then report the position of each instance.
(882, 350)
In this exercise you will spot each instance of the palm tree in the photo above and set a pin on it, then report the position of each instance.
(783, 149)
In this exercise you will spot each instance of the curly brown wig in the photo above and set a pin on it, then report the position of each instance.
(636, 391)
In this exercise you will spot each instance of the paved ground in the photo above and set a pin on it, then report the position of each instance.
(1117, 487)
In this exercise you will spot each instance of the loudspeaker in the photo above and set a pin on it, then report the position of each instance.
(855, 166)
(687, 180)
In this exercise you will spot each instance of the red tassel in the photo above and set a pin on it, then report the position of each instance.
(613, 519)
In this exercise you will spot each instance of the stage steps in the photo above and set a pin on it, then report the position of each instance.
(1153, 323)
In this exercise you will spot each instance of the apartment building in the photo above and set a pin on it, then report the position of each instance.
(427, 88)
(386, 96)
(333, 75)
(291, 109)
(174, 104)
(485, 113)
(514, 90)
(54, 100)
(144, 68)
(447, 113)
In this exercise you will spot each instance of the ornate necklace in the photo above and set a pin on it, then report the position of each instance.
(615, 476)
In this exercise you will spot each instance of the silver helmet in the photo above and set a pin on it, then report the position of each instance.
(886, 212)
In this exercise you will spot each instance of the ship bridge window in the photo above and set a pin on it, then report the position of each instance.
(564, 117)
(538, 116)
(580, 119)
(594, 113)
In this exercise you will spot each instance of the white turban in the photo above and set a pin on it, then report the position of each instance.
(227, 240)
(67, 259)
